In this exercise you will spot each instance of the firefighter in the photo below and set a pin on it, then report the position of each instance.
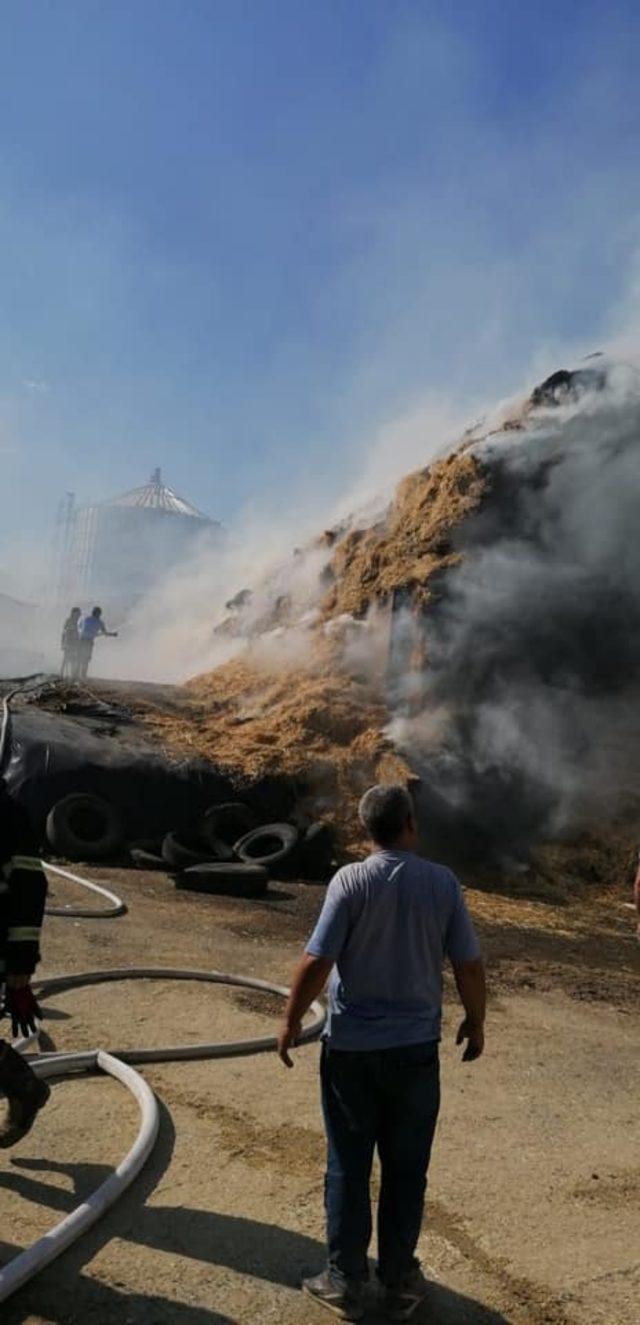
(70, 643)
(23, 888)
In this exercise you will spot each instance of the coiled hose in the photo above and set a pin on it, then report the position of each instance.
(118, 1065)
(46, 1249)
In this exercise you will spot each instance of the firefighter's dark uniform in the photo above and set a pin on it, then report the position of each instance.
(23, 890)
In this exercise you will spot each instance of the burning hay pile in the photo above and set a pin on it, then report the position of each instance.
(307, 694)
(482, 634)
(415, 539)
(315, 724)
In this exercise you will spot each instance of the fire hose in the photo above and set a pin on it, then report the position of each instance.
(46, 1249)
(35, 1258)
(118, 1065)
(116, 906)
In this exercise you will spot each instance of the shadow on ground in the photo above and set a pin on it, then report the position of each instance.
(94, 1303)
(263, 1251)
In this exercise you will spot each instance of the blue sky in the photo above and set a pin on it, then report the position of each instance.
(237, 237)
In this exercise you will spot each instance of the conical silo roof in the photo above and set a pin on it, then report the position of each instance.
(156, 496)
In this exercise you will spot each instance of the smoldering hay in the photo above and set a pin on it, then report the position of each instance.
(528, 722)
(492, 609)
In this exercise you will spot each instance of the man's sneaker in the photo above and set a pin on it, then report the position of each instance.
(401, 1301)
(345, 1300)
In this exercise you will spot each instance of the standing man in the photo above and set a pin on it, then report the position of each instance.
(88, 630)
(384, 931)
(23, 889)
(70, 643)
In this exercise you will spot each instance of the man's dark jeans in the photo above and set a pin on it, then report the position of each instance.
(387, 1098)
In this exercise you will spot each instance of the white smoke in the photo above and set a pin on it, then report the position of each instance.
(172, 633)
(534, 644)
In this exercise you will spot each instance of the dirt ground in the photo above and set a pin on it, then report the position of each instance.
(535, 1184)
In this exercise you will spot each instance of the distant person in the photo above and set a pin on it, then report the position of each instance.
(88, 630)
(385, 928)
(70, 643)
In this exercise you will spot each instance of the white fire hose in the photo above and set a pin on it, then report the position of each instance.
(116, 906)
(30, 1262)
(40, 1254)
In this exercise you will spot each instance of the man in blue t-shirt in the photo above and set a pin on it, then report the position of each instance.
(89, 627)
(385, 928)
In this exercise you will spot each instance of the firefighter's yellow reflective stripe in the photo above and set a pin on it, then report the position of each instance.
(24, 934)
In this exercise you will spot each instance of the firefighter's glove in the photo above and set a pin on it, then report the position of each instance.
(21, 1006)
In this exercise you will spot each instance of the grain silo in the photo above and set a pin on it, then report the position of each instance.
(113, 553)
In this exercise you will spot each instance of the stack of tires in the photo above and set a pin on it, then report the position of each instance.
(233, 854)
(226, 851)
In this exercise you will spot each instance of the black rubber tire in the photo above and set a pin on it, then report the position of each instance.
(316, 851)
(226, 823)
(84, 827)
(179, 856)
(229, 880)
(151, 844)
(250, 851)
(146, 860)
(320, 835)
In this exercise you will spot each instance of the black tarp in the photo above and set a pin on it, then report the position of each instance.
(51, 755)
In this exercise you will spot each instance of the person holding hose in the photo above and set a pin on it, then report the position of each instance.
(385, 928)
(23, 890)
(88, 630)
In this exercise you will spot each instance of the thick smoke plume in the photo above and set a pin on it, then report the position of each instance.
(528, 719)
(515, 691)
(171, 633)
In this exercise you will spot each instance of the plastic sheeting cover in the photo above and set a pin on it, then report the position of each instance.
(51, 755)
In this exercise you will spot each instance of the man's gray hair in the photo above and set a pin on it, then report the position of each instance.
(384, 812)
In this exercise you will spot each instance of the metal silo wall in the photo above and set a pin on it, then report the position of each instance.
(77, 560)
(118, 553)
